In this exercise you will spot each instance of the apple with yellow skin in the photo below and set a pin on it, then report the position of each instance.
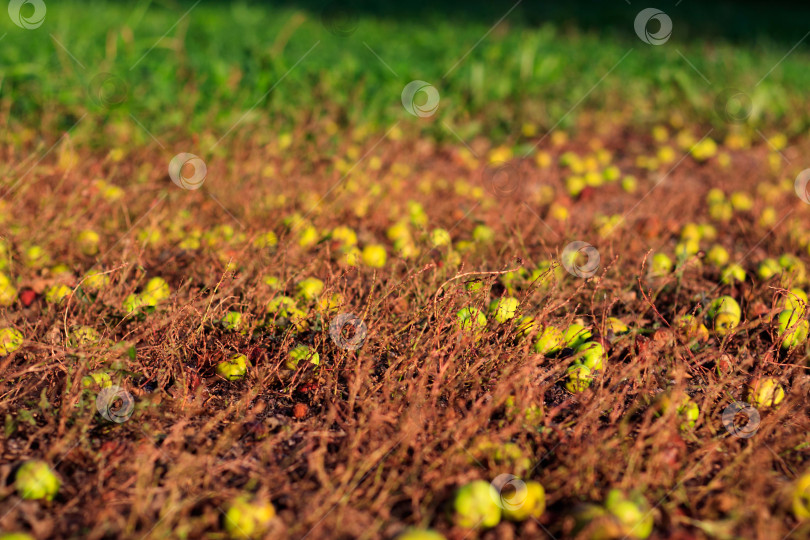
(132, 304)
(56, 294)
(88, 242)
(98, 378)
(266, 240)
(10, 340)
(374, 256)
(525, 503)
(801, 497)
(483, 234)
(421, 534)
(796, 299)
(232, 321)
(549, 341)
(768, 268)
(245, 519)
(792, 328)
(765, 392)
(475, 505)
(579, 378)
(155, 291)
(661, 265)
(576, 334)
(35, 480)
(36, 257)
(299, 353)
(16, 536)
(81, 336)
(504, 308)
(440, 238)
(95, 281)
(234, 368)
(471, 320)
(591, 354)
(309, 289)
(692, 328)
(8, 293)
(632, 514)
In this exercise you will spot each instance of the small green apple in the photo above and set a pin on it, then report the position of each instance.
(526, 325)
(399, 231)
(579, 378)
(692, 328)
(88, 242)
(629, 184)
(633, 514)
(132, 304)
(722, 212)
(474, 285)
(299, 353)
(661, 265)
(591, 354)
(551, 340)
(768, 268)
(686, 249)
(725, 323)
(35, 480)
(232, 321)
(733, 273)
(331, 303)
(36, 257)
(81, 336)
(471, 320)
(504, 308)
(234, 368)
(546, 274)
(717, 256)
(513, 280)
(724, 304)
(280, 303)
(792, 328)
(616, 326)
(98, 378)
(95, 281)
(576, 334)
(741, 201)
(440, 238)
(266, 240)
(794, 268)
(796, 299)
(483, 234)
(309, 289)
(56, 294)
(689, 412)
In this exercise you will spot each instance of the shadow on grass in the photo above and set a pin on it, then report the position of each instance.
(740, 22)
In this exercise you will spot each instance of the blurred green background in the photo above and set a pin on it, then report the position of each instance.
(183, 68)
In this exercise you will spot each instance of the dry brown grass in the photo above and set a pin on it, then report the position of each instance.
(390, 431)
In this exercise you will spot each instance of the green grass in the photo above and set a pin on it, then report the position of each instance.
(221, 60)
